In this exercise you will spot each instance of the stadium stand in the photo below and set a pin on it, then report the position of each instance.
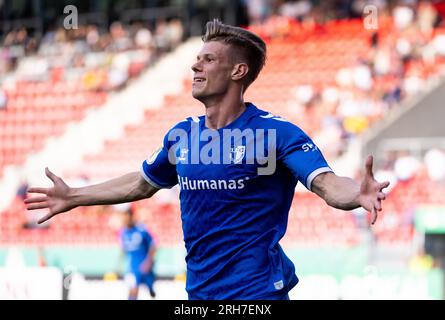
(69, 74)
(334, 79)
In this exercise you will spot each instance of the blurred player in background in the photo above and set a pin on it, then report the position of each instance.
(139, 247)
(233, 217)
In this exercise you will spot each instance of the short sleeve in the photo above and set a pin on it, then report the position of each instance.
(158, 170)
(300, 155)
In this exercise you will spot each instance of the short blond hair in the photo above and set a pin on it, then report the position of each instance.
(251, 46)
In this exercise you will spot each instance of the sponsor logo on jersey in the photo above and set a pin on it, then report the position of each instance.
(213, 184)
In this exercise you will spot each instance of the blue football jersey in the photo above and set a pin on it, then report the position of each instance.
(136, 242)
(235, 196)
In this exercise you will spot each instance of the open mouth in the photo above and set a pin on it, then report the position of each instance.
(198, 79)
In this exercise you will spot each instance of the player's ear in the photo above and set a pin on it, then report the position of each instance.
(239, 71)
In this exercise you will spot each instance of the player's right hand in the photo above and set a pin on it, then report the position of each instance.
(56, 199)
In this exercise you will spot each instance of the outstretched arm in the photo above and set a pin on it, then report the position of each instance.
(61, 198)
(346, 194)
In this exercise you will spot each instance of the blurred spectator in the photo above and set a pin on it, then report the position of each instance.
(22, 191)
(120, 38)
(386, 174)
(362, 76)
(143, 38)
(118, 73)
(434, 160)
(406, 166)
(92, 37)
(30, 218)
(295, 9)
(176, 32)
(354, 109)
(382, 61)
(439, 44)
(94, 79)
(258, 10)
(403, 16)
(413, 84)
(162, 36)
(304, 94)
(427, 17)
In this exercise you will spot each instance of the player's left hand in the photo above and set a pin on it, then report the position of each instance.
(145, 266)
(371, 191)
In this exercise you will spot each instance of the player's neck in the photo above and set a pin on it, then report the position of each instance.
(221, 113)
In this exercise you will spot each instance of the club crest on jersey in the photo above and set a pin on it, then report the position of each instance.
(237, 154)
